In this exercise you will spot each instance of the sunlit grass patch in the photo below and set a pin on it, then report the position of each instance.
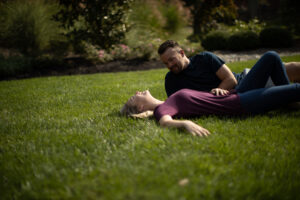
(63, 138)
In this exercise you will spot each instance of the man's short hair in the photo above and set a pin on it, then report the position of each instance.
(167, 44)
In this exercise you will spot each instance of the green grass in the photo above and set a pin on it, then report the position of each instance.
(62, 138)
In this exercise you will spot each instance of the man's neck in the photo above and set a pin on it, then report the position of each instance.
(186, 62)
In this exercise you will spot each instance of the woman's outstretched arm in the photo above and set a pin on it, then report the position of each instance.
(190, 126)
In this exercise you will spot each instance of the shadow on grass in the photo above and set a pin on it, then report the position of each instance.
(285, 112)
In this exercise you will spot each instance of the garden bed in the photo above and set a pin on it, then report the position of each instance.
(76, 65)
(79, 65)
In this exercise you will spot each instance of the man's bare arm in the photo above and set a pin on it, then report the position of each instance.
(228, 81)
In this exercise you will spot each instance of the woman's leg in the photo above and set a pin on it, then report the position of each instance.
(265, 99)
(269, 65)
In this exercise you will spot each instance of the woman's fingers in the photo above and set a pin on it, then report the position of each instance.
(195, 129)
(201, 132)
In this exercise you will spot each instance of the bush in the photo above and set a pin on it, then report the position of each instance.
(253, 25)
(28, 26)
(173, 19)
(155, 19)
(143, 51)
(216, 40)
(243, 40)
(276, 37)
(14, 65)
(102, 23)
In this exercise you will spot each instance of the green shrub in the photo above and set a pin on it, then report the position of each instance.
(253, 25)
(155, 19)
(14, 65)
(216, 40)
(102, 23)
(145, 24)
(28, 26)
(243, 40)
(173, 19)
(276, 37)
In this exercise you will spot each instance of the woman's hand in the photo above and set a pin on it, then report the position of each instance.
(195, 129)
(190, 126)
(219, 91)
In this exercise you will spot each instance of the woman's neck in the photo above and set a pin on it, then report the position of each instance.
(153, 104)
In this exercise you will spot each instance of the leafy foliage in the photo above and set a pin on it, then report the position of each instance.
(14, 65)
(291, 15)
(99, 22)
(151, 19)
(173, 19)
(276, 37)
(252, 25)
(241, 32)
(216, 40)
(243, 40)
(206, 13)
(28, 26)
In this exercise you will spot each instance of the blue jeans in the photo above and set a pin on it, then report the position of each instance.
(255, 98)
(266, 99)
(269, 65)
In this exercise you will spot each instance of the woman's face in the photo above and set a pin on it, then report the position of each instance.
(139, 99)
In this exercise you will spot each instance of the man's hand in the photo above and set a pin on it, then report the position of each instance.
(195, 129)
(219, 91)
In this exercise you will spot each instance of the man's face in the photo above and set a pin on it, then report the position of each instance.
(173, 59)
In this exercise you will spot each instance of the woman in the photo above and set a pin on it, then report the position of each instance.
(246, 99)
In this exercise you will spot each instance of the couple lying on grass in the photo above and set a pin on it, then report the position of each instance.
(249, 97)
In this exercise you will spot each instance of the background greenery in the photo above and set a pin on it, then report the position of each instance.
(63, 138)
(103, 31)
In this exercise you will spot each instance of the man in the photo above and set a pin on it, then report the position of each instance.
(204, 71)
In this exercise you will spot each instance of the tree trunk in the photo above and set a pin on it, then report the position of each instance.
(253, 8)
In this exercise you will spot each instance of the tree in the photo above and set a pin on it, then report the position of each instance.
(206, 12)
(289, 14)
(101, 22)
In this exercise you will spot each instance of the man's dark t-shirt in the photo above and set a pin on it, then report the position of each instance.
(199, 75)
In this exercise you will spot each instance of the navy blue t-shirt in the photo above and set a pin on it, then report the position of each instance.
(199, 75)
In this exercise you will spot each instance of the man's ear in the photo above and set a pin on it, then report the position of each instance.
(181, 51)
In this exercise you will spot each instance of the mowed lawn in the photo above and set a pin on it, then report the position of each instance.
(63, 138)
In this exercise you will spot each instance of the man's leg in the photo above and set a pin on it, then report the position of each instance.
(293, 71)
(269, 65)
(265, 99)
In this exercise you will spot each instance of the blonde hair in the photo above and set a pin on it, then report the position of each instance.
(132, 111)
(129, 110)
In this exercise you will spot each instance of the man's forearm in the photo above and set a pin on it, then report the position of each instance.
(228, 83)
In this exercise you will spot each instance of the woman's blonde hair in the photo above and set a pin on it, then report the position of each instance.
(132, 111)
(129, 110)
